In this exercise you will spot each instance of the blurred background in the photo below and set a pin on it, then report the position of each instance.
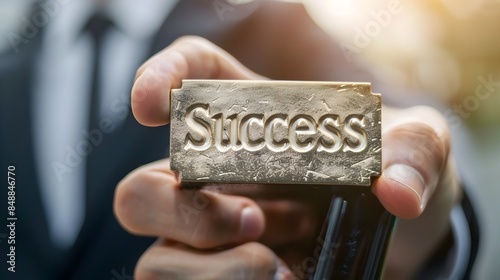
(449, 50)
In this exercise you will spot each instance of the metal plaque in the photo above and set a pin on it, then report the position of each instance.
(284, 132)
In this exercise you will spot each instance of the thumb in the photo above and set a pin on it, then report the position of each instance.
(415, 151)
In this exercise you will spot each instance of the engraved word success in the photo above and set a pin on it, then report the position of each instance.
(278, 132)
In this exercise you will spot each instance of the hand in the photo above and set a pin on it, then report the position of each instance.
(222, 233)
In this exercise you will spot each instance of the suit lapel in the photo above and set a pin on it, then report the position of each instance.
(17, 149)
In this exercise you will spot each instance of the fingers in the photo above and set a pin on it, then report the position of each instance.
(291, 214)
(414, 153)
(167, 260)
(187, 58)
(150, 202)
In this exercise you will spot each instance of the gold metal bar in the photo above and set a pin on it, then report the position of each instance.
(284, 132)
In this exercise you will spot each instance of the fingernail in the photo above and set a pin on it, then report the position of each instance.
(250, 224)
(409, 177)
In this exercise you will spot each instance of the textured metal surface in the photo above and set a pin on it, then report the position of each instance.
(285, 132)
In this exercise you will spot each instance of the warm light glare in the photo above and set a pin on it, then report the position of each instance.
(439, 48)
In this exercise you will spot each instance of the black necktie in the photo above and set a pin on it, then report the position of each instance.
(96, 27)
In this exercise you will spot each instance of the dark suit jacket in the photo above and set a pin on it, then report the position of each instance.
(272, 39)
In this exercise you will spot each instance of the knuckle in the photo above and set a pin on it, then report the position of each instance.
(198, 47)
(417, 145)
(429, 111)
(152, 267)
(203, 240)
(143, 272)
(259, 258)
(436, 121)
(171, 262)
(192, 40)
(140, 70)
(421, 141)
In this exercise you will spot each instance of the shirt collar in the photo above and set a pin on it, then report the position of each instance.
(138, 19)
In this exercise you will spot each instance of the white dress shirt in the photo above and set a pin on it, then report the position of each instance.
(62, 96)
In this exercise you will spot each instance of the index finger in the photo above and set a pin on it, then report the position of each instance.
(189, 57)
